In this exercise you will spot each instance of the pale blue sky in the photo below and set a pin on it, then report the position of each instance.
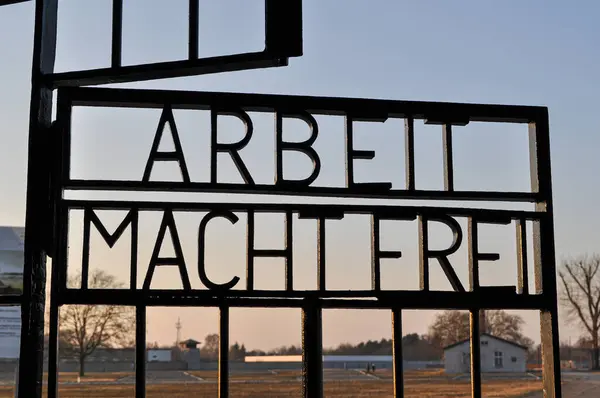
(531, 53)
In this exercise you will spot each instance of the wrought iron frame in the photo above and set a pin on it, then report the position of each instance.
(47, 210)
(312, 302)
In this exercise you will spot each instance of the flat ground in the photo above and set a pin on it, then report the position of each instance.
(338, 383)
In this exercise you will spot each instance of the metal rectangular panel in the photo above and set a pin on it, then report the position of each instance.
(311, 302)
(283, 40)
(48, 178)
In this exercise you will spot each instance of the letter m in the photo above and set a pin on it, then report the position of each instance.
(89, 218)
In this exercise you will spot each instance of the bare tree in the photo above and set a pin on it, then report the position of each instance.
(449, 327)
(452, 326)
(507, 326)
(211, 347)
(84, 328)
(580, 296)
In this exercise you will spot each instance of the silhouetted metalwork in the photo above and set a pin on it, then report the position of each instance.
(223, 295)
(283, 40)
(7, 2)
(48, 210)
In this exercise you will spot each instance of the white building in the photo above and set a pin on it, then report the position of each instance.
(497, 355)
(340, 362)
(159, 355)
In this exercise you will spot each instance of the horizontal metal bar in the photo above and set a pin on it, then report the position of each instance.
(295, 299)
(163, 70)
(358, 107)
(124, 185)
(11, 299)
(9, 2)
(384, 211)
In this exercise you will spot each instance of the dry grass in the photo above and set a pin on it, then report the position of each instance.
(103, 376)
(352, 389)
(417, 385)
(279, 376)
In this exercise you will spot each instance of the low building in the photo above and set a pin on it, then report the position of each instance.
(337, 362)
(160, 355)
(497, 355)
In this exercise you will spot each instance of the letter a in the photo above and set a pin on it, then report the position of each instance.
(168, 222)
(176, 155)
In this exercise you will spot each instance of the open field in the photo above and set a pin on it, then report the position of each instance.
(337, 383)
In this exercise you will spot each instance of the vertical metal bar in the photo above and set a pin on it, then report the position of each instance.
(250, 251)
(194, 29)
(321, 254)
(34, 268)
(53, 343)
(58, 283)
(475, 354)
(397, 352)
(312, 350)
(117, 33)
(448, 158)
(283, 27)
(85, 256)
(409, 150)
(59, 139)
(223, 351)
(134, 251)
(348, 149)
(64, 115)
(289, 252)
(544, 253)
(375, 262)
(423, 260)
(213, 145)
(522, 269)
(473, 263)
(140, 351)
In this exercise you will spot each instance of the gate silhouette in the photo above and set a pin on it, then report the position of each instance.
(48, 209)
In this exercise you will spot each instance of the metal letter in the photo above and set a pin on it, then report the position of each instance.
(90, 218)
(321, 217)
(286, 253)
(474, 255)
(168, 222)
(232, 148)
(441, 255)
(201, 249)
(376, 253)
(352, 154)
(304, 147)
(176, 155)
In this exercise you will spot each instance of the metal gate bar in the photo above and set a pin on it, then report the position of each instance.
(140, 351)
(544, 253)
(397, 353)
(475, 345)
(312, 349)
(311, 302)
(223, 351)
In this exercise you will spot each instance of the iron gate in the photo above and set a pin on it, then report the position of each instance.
(473, 297)
(48, 209)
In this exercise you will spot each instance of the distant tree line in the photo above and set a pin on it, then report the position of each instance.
(414, 347)
(448, 328)
(85, 328)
